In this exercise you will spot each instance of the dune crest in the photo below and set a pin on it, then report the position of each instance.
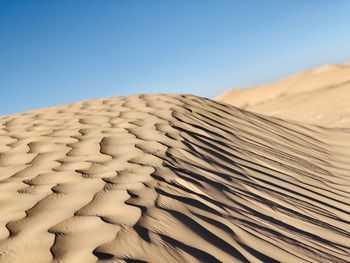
(320, 96)
(171, 178)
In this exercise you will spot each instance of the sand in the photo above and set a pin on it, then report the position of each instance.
(171, 178)
(320, 96)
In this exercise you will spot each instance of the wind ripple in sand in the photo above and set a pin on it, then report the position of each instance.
(170, 178)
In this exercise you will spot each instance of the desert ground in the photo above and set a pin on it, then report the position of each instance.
(180, 178)
(320, 96)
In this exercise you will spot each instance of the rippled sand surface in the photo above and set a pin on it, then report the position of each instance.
(171, 178)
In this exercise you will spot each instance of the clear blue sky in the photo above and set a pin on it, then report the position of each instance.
(55, 52)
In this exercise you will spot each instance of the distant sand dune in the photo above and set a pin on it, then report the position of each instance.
(320, 96)
(171, 178)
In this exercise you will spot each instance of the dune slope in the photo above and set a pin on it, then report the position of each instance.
(320, 96)
(171, 178)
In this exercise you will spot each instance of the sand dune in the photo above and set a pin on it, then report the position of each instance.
(171, 178)
(320, 96)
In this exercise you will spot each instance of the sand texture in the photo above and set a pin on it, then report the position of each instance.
(171, 178)
(320, 96)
